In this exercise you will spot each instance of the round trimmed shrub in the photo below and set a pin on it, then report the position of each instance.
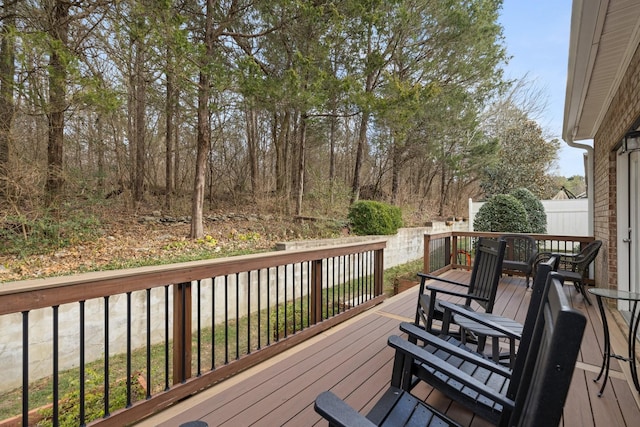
(502, 213)
(368, 217)
(534, 208)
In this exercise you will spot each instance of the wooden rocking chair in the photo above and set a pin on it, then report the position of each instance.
(482, 288)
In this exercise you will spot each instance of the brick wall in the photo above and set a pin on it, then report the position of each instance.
(623, 112)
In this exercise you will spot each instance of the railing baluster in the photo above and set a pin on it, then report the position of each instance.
(106, 357)
(308, 281)
(345, 280)
(25, 368)
(286, 283)
(248, 312)
(237, 316)
(148, 343)
(226, 319)
(277, 325)
(56, 361)
(259, 309)
(213, 323)
(293, 296)
(268, 305)
(199, 333)
(128, 405)
(81, 397)
(166, 337)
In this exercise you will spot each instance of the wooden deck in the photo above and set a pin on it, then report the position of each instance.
(353, 361)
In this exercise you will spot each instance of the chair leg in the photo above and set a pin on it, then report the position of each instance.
(580, 286)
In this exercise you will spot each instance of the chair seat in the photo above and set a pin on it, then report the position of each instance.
(395, 408)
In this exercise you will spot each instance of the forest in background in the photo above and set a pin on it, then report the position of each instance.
(288, 106)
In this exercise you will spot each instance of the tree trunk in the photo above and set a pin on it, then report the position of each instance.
(395, 170)
(7, 70)
(362, 142)
(204, 130)
(171, 108)
(140, 104)
(100, 152)
(443, 190)
(301, 163)
(203, 145)
(332, 152)
(280, 140)
(57, 103)
(252, 146)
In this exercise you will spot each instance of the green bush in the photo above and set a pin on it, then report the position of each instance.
(369, 217)
(535, 211)
(502, 213)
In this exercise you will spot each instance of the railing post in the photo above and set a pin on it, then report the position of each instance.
(454, 252)
(316, 291)
(378, 272)
(426, 258)
(447, 249)
(181, 332)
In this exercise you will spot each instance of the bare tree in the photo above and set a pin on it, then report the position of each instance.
(58, 14)
(7, 70)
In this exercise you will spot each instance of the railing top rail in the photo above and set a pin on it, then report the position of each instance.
(440, 235)
(535, 236)
(38, 293)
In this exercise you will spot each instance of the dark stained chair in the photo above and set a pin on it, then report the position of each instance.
(497, 378)
(520, 254)
(539, 399)
(482, 288)
(575, 267)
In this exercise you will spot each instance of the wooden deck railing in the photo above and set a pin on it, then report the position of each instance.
(446, 251)
(172, 330)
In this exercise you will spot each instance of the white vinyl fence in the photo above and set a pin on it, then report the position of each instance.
(567, 217)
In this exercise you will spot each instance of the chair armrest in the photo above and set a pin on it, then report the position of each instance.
(442, 279)
(479, 318)
(434, 290)
(419, 354)
(464, 354)
(338, 413)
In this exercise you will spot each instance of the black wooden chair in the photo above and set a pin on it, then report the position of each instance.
(497, 378)
(575, 267)
(520, 254)
(481, 289)
(540, 396)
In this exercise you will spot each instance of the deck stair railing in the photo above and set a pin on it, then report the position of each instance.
(138, 340)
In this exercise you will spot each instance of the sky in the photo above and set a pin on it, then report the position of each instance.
(537, 39)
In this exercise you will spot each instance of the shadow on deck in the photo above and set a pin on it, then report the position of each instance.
(354, 362)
